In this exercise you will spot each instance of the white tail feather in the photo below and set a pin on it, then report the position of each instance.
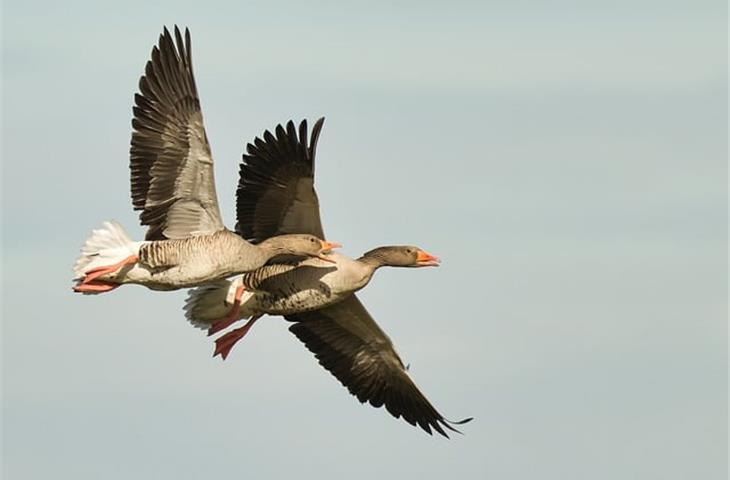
(106, 246)
(211, 302)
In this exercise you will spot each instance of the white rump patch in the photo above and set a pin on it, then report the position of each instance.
(106, 246)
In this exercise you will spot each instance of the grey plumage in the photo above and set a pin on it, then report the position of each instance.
(275, 192)
(350, 345)
(171, 166)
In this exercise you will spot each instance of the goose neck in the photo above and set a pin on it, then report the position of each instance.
(373, 261)
(273, 246)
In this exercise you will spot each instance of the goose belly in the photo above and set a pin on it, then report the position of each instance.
(172, 278)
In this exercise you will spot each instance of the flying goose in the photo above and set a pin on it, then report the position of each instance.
(276, 196)
(173, 186)
(289, 288)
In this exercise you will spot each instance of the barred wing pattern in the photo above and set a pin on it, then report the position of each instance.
(275, 194)
(350, 345)
(170, 161)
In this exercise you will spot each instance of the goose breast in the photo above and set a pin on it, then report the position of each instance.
(312, 283)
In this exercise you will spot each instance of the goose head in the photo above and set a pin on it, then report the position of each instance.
(402, 256)
(300, 245)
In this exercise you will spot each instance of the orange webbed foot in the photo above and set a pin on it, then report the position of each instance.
(232, 316)
(95, 273)
(225, 343)
(95, 286)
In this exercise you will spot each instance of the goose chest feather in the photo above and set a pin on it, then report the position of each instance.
(281, 289)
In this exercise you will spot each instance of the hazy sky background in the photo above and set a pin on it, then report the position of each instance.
(567, 160)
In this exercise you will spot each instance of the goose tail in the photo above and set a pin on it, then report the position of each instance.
(108, 245)
(211, 302)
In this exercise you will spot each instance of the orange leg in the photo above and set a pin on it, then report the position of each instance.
(95, 286)
(95, 273)
(225, 343)
(232, 316)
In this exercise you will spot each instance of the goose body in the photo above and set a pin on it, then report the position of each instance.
(282, 289)
(291, 288)
(173, 187)
(187, 262)
(278, 289)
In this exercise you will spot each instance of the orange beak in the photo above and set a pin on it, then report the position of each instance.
(326, 247)
(426, 260)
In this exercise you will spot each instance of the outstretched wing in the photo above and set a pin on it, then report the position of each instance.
(276, 193)
(347, 342)
(170, 161)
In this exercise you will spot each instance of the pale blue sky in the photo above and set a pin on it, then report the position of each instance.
(567, 161)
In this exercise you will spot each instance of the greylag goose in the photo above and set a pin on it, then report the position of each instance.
(289, 288)
(173, 186)
(276, 196)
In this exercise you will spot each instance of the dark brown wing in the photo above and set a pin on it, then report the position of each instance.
(276, 193)
(347, 342)
(170, 161)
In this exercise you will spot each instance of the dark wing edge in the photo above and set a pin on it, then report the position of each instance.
(170, 161)
(349, 344)
(275, 193)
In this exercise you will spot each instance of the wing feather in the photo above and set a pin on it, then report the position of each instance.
(171, 167)
(350, 345)
(276, 192)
